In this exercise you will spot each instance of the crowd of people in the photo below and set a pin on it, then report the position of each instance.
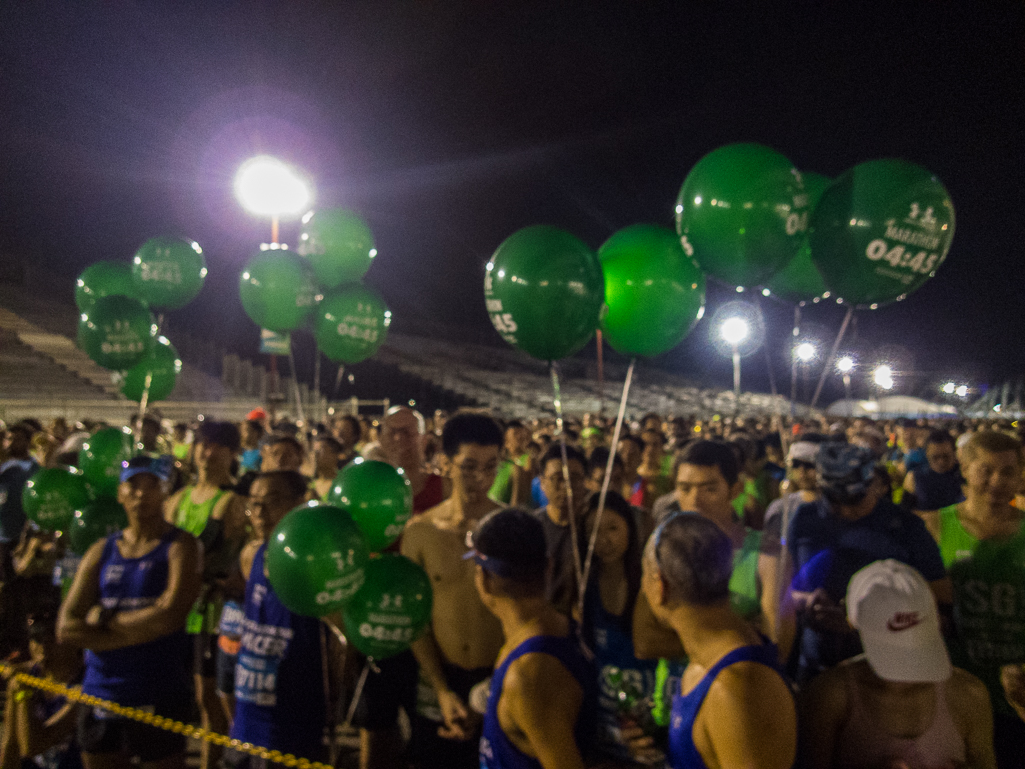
(717, 593)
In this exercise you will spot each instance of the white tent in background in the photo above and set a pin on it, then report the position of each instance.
(891, 406)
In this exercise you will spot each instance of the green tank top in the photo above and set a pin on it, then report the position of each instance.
(744, 596)
(193, 517)
(956, 544)
(989, 602)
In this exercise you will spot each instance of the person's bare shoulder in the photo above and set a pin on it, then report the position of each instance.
(966, 693)
(419, 531)
(756, 703)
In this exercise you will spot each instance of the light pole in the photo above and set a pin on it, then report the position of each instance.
(845, 366)
(805, 353)
(265, 186)
(734, 331)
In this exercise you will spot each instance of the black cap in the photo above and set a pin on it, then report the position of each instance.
(509, 543)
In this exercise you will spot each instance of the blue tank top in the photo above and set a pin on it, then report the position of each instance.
(625, 683)
(682, 753)
(496, 750)
(279, 678)
(149, 673)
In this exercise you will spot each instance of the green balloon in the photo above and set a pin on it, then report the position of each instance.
(392, 608)
(880, 231)
(654, 291)
(97, 520)
(117, 332)
(800, 280)
(339, 245)
(742, 213)
(315, 559)
(52, 496)
(103, 279)
(169, 272)
(101, 457)
(351, 323)
(161, 364)
(544, 292)
(278, 291)
(377, 496)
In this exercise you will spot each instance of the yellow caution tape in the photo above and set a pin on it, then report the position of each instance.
(74, 694)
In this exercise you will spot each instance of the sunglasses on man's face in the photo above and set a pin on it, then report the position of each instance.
(798, 464)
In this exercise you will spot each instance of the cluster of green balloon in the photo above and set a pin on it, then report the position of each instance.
(654, 292)
(392, 608)
(101, 457)
(800, 281)
(51, 497)
(742, 213)
(339, 246)
(278, 290)
(168, 273)
(351, 323)
(117, 332)
(160, 368)
(103, 279)
(377, 496)
(880, 231)
(98, 519)
(544, 292)
(316, 557)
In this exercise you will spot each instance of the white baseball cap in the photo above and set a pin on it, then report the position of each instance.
(894, 610)
(803, 451)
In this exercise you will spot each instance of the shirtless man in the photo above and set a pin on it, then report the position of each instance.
(462, 644)
(215, 515)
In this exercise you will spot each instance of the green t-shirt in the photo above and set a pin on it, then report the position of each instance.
(501, 489)
(989, 602)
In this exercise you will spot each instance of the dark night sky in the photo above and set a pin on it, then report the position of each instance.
(451, 124)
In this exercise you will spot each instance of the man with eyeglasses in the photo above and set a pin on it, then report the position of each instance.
(563, 502)
(460, 648)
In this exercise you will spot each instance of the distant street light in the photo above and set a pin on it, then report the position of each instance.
(265, 186)
(883, 377)
(806, 352)
(949, 388)
(962, 391)
(845, 366)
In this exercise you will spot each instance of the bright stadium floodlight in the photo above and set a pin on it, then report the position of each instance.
(962, 391)
(845, 365)
(265, 186)
(949, 388)
(806, 352)
(734, 331)
(883, 377)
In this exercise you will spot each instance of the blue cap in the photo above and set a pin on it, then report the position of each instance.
(158, 466)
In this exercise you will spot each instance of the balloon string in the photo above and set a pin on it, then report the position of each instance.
(144, 401)
(358, 691)
(777, 406)
(832, 355)
(605, 486)
(559, 429)
(295, 385)
(793, 363)
(325, 662)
